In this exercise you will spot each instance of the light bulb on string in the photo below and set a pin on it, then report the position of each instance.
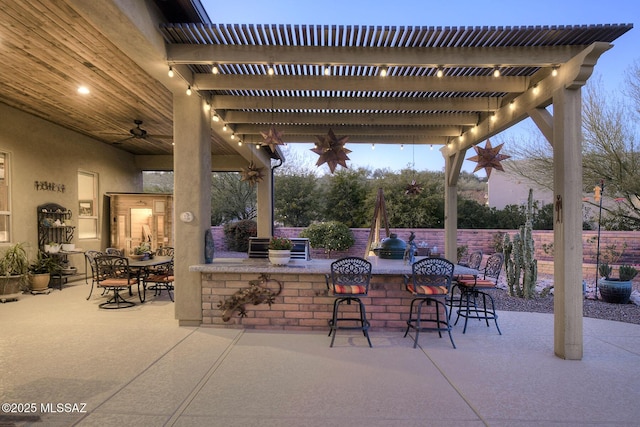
(170, 73)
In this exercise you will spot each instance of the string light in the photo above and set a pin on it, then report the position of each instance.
(383, 72)
(512, 105)
(402, 146)
(233, 136)
(214, 69)
(373, 146)
(554, 71)
(327, 70)
(207, 107)
(431, 147)
(440, 72)
(225, 128)
(170, 73)
(493, 117)
(270, 70)
(496, 72)
(536, 89)
(83, 90)
(189, 90)
(215, 118)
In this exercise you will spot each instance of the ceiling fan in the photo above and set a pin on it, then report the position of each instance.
(138, 133)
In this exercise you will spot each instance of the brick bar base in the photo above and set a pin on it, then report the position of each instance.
(304, 303)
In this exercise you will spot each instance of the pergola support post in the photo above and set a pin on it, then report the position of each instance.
(567, 169)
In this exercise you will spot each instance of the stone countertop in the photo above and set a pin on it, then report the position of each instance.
(314, 266)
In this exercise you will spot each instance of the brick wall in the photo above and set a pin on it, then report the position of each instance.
(478, 239)
(303, 303)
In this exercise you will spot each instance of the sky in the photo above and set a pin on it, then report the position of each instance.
(611, 66)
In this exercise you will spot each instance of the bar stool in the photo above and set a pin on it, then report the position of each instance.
(349, 282)
(474, 303)
(430, 282)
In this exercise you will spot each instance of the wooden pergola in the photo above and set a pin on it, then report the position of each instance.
(453, 87)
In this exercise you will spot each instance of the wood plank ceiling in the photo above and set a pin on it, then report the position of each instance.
(49, 50)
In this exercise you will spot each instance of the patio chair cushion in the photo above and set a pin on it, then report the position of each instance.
(124, 282)
(480, 283)
(350, 289)
(160, 278)
(465, 277)
(427, 289)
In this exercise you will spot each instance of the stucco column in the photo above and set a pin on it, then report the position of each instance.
(567, 170)
(192, 194)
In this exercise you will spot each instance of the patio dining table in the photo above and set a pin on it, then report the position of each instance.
(144, 266)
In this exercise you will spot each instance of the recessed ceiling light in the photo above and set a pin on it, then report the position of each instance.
(83, 90)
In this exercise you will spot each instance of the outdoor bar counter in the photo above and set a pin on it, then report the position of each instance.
(298, 294)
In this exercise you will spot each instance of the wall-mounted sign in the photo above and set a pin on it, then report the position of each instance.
(48, 186)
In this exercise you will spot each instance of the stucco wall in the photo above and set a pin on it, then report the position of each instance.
(42, 151)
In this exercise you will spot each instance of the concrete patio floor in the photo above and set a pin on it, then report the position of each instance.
(135, 366)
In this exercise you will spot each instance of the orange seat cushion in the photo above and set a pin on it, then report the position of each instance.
(465, 277)
(159, 278)
(117, 282)
(427, 290)
(480, 283)
(350, 289)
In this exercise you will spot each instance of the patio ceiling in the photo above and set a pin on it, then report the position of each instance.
(49, 48)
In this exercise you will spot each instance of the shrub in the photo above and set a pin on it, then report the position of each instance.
(237, 234)
(330, 236)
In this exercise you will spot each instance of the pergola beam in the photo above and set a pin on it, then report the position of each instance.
(512, 56)
(348, 130)
(461, 104)
(482, 84)
(375, 138)
(455, 119)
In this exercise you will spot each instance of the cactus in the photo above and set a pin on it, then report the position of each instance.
(519, 254)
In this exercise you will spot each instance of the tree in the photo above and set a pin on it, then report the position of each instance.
(297, 199)
(609, 152)
(157, 182)
(346, 198)
(231, 198)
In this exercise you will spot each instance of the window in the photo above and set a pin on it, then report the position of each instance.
(87, 205)
(5, 208)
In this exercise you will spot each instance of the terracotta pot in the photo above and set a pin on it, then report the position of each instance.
(40, 282)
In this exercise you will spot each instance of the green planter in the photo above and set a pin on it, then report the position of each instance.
(615, 291)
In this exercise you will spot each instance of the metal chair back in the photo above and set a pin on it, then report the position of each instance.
(432, 272)
(352, 271)
(113, 267)
(493, 266)
(165, 251)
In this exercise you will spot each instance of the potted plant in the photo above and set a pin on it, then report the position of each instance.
(142, 252)
(14, 266)
(280, 250)
(40, 271)
(616, 290)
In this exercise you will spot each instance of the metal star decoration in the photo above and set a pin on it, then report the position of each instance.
(332, 151)
(488, 158)
(413, 189)
(252, 174)
(272, 138)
